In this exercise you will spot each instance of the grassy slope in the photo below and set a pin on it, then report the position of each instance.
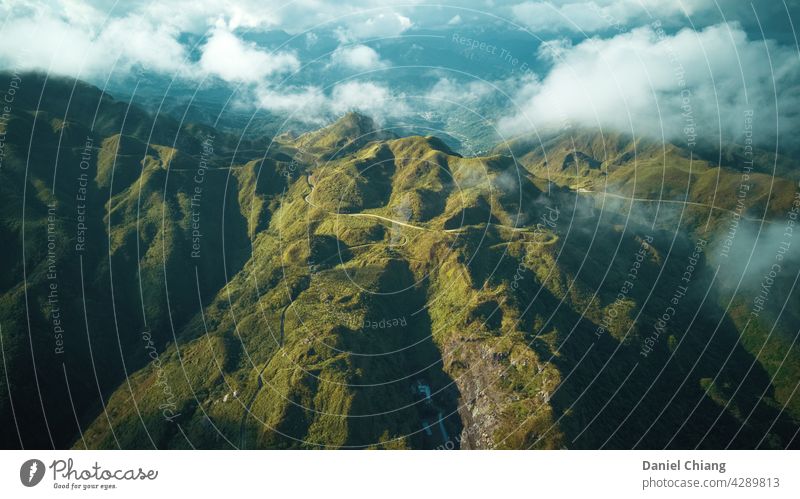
(515, 375)
(500, 323)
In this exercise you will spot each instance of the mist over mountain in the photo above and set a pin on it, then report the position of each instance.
(505, 224)
(699, 74)
(367, 282)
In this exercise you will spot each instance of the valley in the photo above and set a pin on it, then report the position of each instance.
(499, 287)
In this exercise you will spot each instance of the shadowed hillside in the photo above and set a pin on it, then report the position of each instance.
(168, 287)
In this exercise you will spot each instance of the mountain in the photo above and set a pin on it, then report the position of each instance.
(349, 133)
(354, 288)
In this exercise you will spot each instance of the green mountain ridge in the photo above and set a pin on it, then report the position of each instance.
(352, 288)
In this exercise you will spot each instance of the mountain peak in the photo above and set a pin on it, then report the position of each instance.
(357, 121)
(352, 130)
(353, 126)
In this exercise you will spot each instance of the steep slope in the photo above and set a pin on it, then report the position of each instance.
(168, 286)
(101, 229)
(344, 135)
(651, 173)
(742, 200)
(401, 269)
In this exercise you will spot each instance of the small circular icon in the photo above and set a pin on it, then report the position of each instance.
(31, 472)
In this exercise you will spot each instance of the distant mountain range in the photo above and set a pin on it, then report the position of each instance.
(170, 285)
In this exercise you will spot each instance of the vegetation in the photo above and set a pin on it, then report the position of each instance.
(354, 289)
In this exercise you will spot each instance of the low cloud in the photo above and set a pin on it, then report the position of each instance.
(691, 83)
(600, 15)
(72, 44)
(358, 57)
(312, 105)
(228, 57)
(83, 42)
(642, 80)
(383, 24)
(92, 39)
(305, 104)
(448, 92)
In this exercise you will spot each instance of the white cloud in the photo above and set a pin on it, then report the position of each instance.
(645, 80)
(596, 15)
(196, 16)
(91, 38)
(541, 16)
(311, 105)
(151, 46)
(358, 57)
(595, 82)
(553, 50)
(362, 18)
(311, 39)
(367, 97)
(384, 24)
(448, 92)
(305, 104)
(71, 44)
(228, 57)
